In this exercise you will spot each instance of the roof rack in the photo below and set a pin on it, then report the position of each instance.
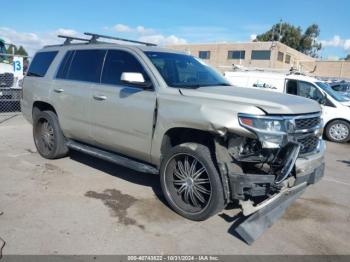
(69, 39)
(94, 38)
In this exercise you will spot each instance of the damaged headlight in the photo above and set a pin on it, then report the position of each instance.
(271, 131)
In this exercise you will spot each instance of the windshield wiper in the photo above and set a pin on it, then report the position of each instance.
(200, 85)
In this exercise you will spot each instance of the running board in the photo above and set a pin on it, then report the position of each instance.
(112, 157)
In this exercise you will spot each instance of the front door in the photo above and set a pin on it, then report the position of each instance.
(122, 115)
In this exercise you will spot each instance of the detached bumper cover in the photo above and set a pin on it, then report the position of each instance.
(257, 223)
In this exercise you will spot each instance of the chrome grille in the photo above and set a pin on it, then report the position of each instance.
(309, 144)
(307, 123)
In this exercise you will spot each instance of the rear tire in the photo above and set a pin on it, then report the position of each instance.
(338, 131)
(48, 137)
(191, 183)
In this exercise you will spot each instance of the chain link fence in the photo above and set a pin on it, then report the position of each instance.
(11, 78)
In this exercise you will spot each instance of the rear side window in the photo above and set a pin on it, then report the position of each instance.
(118, 62)
(65, 64)
(86, 65)
(41, 63)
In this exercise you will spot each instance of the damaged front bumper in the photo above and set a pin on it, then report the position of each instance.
(308, 170)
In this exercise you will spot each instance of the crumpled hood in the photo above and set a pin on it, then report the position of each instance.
(269, 101)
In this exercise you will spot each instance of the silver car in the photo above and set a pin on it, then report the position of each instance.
(168, 113)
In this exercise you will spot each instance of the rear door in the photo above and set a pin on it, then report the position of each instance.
(122, 115)
(72, 89)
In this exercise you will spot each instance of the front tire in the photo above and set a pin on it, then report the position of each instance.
(48, 137)
(191, 183)
(338, 131)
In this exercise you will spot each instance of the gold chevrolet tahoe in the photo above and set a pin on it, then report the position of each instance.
(164, 112)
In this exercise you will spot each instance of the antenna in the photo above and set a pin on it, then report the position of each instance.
(69, 39)
(94, 38)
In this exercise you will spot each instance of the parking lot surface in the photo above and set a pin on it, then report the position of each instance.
(82, 205)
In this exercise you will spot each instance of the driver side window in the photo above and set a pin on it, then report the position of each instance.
(117, 62)
(309, 91)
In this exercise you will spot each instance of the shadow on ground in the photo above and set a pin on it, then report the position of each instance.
(142, 179)
(149, 180)
(347, 162)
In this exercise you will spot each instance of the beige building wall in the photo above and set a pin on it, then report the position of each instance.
(219, 58)
(219, 54)
(328, 69)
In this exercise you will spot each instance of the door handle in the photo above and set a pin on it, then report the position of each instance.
(58, 90)
(100, 98)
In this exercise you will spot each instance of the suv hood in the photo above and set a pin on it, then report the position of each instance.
(269, 101)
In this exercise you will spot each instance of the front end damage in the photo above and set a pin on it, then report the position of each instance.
(265, 173)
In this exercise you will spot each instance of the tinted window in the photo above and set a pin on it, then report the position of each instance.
(204, 54)
(236, 54)
(292, 87)
(41, 63)
(65, 64)
(118, 62)
(261, 54)
(86, 65)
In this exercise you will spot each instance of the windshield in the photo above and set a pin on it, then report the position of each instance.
(325, 87)
(185, 71)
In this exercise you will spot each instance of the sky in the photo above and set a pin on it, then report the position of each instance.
(37, 22)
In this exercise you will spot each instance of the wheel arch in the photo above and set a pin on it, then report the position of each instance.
(335, 119)
(330, 121)
(43, 106)
(178, 135)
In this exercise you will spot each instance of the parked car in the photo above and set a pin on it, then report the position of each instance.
(161, 111)
(342, 88)
(9, 83)
(336, 108)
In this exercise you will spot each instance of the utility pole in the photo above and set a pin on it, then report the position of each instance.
(280, 33)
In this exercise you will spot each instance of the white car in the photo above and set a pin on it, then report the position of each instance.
(336, 108)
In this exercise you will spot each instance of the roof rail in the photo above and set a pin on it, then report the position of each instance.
(94, 38)
(69, 39)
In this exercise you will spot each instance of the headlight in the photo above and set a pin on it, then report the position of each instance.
(271, 131)
(262, 124)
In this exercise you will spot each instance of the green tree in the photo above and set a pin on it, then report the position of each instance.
(347, 58)
(12, 49)
(294, 37)
(21, 51)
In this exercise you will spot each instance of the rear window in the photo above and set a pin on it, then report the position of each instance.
(41, 63)
(86, 65)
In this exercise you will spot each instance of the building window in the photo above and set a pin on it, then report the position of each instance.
(287, 61)
(261, 54)
(236, 54)
(204, 54)
(280, 56)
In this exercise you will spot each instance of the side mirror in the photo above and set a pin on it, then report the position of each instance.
(135, 79)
